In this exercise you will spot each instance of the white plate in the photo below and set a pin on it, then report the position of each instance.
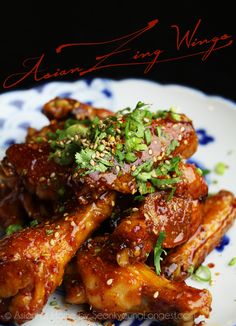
(213, 117)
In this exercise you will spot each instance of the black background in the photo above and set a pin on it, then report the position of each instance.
(29, 29)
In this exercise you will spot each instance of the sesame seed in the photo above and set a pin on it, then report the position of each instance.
(128, 222)
(52, 242)
(156, 294)
(135, 209)
(73, 223)
(112, 203)
(180, 137)
(109, 282)
(133, 168)
(182, 129)
(146, 120)
(150, 151)
(159, 158)
(52, 175)
(154, 159)
(117, 168)
(92, 162)
(65, 214)
(41, 179)
(56, 235)
(185, 142)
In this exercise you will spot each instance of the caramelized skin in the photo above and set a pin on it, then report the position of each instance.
(64, 108)
(179, 217)
(219, 212)
(32, 261)
(11, 210)
(38, 174)
(123, 181)
(116, 290)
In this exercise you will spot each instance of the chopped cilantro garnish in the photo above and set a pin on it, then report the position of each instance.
(148, 136)
(164, 182)
(205, 171)
(13, 228)
(160, 132)
(173, 145)
(49, 231)
(110, 144)
(174, 115)
(144, 167)
(171, 193)
(34, 223)
(158, 250)
(130, 157)
(191, 270)
(139, 198)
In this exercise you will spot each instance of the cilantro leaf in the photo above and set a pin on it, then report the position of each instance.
(158, 250)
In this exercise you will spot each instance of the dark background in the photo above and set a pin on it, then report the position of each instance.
(29, 29)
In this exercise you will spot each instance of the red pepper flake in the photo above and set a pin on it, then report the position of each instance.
(211, 265)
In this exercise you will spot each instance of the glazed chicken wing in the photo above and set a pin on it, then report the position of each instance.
(112, 290)
(179, 217)
(219, 213)
(32, 261)
(64, 108)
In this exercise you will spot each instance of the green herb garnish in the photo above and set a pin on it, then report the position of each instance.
(173, 145)
(53, 303)
(158, 250)
(49, 231)
(110, 144)
(220, 168)
(34, 223)
(148, 136)
(191, 270)
(203, 274)
(232, 262)
(13, 228)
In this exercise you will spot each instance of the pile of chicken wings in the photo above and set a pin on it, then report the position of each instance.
(107, 206)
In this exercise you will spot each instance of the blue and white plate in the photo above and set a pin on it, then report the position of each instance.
(214, 119)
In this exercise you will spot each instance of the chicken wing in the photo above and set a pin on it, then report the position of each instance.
(64, 108)
(32, 261)
(219, 213)
(112, 290)
(179, 217)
